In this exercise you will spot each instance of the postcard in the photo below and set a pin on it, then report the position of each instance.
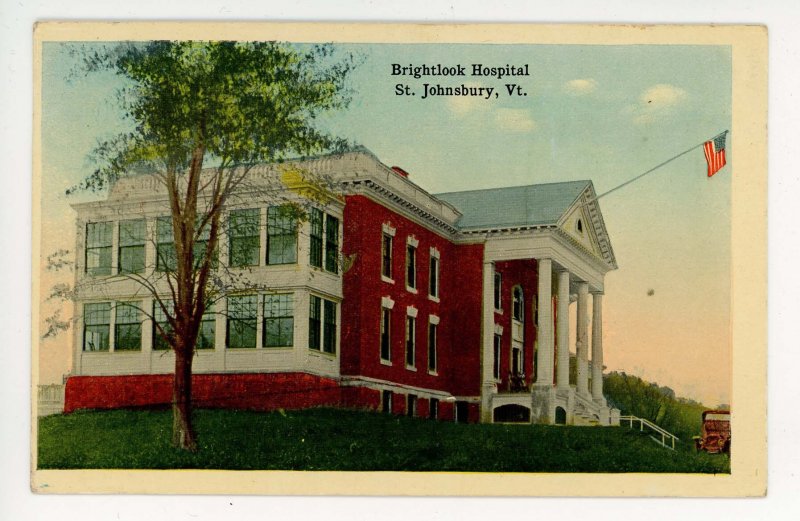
(388, 259)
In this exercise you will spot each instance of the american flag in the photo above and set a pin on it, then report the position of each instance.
(715, 153)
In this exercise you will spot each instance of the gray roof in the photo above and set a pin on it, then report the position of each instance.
(532, 205)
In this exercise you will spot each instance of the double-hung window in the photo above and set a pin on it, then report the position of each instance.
(497, 352)
(96, 326)
(281, 236)
(411, 343)
(386, 346)
(161, 325)
(131, 246)
(433, 331)
(411, 266)
(99, 237)
(315, 323)
(128, 327)
(317, 219)
(386, 256)
(205, 335)
(242, 321)
(278, 320)
(498, 282)
(331, 244)
(329, 329)
(433, 286)
(245, 237)
(202, 236)
(322, 325)
(166, 259)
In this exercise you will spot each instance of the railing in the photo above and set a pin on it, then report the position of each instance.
(50, 399)
(655, 428)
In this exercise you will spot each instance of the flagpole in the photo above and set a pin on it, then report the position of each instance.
(673, 158)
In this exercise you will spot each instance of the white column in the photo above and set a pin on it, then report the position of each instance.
(488, 385)
(597, 348)
(544, 355)
(582, 344)
(562, 375)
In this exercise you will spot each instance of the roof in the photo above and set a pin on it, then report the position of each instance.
(532, 205)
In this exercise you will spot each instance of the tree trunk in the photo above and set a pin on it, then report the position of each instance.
(183, 435)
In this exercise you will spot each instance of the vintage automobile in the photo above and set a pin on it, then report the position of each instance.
(716, 433)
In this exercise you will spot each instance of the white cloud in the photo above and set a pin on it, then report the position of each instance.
(657, 102)
(580, 87)
(462, 106)
(662, 96)
(514, 120)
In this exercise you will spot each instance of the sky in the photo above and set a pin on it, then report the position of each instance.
(604, 113)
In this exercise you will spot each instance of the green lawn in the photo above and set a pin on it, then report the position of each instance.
(328, 439)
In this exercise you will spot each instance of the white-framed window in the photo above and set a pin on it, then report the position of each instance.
(166, 259)
(411, 267)
(281, 235)
(433, 278)
(411, 342)
(128, 326)
(322, 319)
(387, 245)
(324, 251)
(206, 336)
(433, 342)
(242, 322)
(518, 304)
(317, 220)
(278, 320)
(244, 245)
(132, 238)
(99, 238)
(331, 244)
(96, 326)
(386, 334)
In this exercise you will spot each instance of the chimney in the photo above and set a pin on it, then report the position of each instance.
(399, 171)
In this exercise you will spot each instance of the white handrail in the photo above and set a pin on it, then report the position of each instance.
(647, 423)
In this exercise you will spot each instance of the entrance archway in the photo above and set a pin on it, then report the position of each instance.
(512, 413)
(561, 416)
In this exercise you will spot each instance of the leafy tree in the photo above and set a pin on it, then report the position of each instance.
(204, 113)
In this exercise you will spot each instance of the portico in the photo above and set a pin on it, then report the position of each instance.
(572, 254)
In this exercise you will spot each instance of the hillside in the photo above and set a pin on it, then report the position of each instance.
(327, 439)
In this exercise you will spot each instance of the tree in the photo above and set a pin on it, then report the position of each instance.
(204, 113)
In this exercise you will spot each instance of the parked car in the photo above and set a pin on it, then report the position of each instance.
(716, 432)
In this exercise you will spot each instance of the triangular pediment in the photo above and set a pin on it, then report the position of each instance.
(583, 223)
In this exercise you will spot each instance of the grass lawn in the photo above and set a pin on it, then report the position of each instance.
(332, 439)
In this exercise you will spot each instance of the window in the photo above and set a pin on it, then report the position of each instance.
(166, 259)
(242, 321)
(160, 318)
(411, 405)
(386, 319)
(517, 310)
(497, 351)
(315, 323)
(128, 327)
(131, 246)
(433, 407)
(98, 248)
(433, 289)
(332, 244)
(411, 327)
(432, 332)
(278, 320)
(281, 236)
(498, 283)
(411, 266)
(96, 326)
(329, 331)
(245, 239)
(516, 360)
(205, 335)
(316, 237)
(386, 401)
(201, 243)
(386, 256)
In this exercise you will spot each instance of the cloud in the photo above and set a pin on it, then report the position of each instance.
(514, 120)
(462, 106)
(580, 87)
(657, 102)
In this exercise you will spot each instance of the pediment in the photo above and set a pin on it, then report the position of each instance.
(583, 223)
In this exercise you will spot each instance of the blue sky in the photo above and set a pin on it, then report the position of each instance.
(605, 113)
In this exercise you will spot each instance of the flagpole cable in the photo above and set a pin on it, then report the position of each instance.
(656, 167)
